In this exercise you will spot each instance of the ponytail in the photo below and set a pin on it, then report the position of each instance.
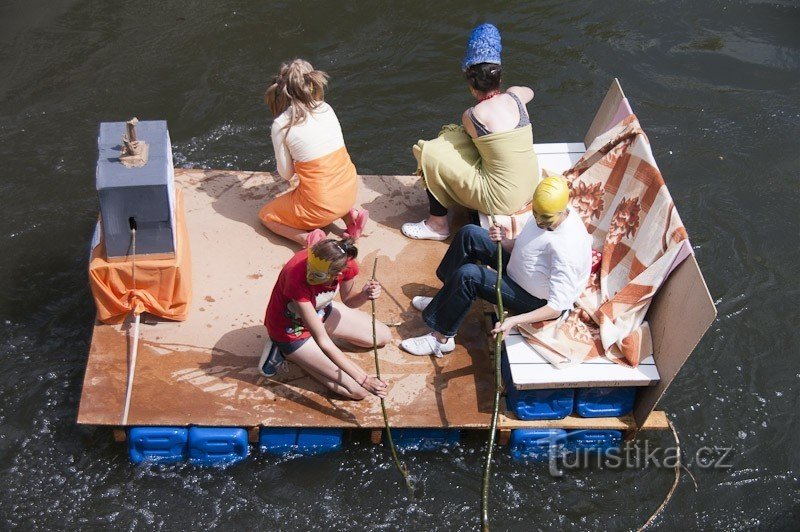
(348, 245)
(299, 87)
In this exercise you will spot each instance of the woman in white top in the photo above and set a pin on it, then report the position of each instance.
(308, 142)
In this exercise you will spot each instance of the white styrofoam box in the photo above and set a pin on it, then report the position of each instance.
(530, 371)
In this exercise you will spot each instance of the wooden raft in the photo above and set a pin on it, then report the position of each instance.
(203, 371)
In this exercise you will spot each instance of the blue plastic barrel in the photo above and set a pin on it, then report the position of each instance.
(312, 441)
(540, 404)
(217, 445)
(277, 440)
(536, 445)
(535, 404)
(305, 441)
(604, 402)
(430, 439)
(158, 444)
(592, 440)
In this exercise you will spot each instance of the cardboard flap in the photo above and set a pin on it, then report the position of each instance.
(610, 108)
(681, 313)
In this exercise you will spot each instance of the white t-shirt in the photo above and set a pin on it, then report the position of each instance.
(320, 134)
(553, 265)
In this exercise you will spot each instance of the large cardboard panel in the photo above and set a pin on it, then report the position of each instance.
(608, 109)
(681, 312)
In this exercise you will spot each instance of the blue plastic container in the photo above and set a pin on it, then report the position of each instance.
(536, 445)
(313, 441)
(592, 440)
(158, 444)
(277, 440)
(425, 439)
(604, 402)
(305, 441)
(540, 404)
(217, 445)
(535, 404)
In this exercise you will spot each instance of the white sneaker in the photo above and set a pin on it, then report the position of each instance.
(427, 345)
(421, 302)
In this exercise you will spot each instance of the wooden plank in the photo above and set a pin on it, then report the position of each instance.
(203, 371)
(657, 420)
(681, 313)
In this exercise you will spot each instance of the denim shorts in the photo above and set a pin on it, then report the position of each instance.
(287, 348)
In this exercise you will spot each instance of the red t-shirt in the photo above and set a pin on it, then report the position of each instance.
(282, 319)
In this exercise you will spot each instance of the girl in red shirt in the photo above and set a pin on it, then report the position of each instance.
(301, 317)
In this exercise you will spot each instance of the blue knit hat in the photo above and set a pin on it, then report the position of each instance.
(483, 46)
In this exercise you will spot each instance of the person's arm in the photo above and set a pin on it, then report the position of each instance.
(468, 125)
(355, 298)
(320, 335)
(499, 234)
(525, 94)
(563, 291)
(283, 159)
(540, 314)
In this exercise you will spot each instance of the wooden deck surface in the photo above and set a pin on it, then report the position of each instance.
(203, 371)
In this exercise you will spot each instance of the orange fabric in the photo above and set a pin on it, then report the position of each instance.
(326, 191)
(163, 287)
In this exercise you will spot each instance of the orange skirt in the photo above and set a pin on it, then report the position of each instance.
(326, 191)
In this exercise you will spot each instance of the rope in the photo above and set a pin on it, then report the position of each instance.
(399, 465)
(497, 382)
(678, 466)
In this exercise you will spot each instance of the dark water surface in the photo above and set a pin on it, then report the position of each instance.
(716, 86)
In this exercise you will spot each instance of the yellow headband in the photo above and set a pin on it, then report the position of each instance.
(318, 264)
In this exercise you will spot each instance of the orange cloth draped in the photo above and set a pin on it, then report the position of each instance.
(163, 286)
(326, 191)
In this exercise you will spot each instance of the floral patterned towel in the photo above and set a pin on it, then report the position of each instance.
(618, 190)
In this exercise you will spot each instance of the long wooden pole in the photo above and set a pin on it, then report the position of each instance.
(136, 320)
(498, 384)
(131, 368)
(399, 465)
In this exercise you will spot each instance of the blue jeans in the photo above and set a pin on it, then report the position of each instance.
(464, 281)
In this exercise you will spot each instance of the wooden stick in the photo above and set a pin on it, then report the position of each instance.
(399, 465)
(498, 383)
(131, 368)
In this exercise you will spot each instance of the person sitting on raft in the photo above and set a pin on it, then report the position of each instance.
(308, 142)
(489, 163)
(302, 320)
(545, 270)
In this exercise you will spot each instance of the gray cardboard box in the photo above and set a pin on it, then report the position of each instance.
(146, 194)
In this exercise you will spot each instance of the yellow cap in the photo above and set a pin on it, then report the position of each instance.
(551, 196)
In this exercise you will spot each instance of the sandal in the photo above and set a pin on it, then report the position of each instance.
(421, 231)
(358, 224)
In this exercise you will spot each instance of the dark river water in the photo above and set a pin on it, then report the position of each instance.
(716, 86)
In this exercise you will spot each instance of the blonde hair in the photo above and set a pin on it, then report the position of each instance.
(297, 86)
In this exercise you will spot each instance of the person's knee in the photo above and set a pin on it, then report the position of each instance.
(383, 335)
(468, 273)
(468, 232)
